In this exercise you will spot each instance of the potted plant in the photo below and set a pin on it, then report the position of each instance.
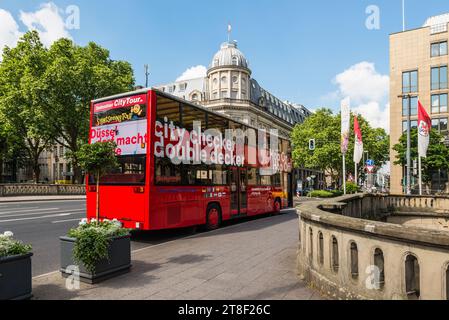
(98, 249)
(15, 268)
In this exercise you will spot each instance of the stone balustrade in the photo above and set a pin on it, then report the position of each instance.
(13, 190)
(349, 250)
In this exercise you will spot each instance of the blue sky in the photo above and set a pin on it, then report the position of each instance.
(295, 48)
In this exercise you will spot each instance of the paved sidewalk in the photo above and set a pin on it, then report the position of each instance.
(40, 198)
(251, 260)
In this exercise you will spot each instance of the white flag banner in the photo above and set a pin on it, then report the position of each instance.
(345, 124)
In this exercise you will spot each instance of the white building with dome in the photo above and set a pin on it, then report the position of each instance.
(229, 88)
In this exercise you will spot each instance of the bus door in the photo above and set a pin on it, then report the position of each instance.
(239, 194)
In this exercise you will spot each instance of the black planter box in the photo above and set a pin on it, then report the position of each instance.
(15, 277)
(119, 261)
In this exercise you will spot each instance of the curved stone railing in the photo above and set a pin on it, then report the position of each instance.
(13, 190)
(348, 251)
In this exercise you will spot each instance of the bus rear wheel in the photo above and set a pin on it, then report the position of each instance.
(277, 206)
(213, 217)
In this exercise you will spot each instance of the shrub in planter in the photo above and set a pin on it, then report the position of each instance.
(100, 249)
(351, 188)
(15, 268)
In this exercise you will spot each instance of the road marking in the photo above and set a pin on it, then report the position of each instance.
(45, 212)
(62, 221)
(42, 217)
(28, 210)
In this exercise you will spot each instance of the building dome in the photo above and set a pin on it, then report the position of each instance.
(229, 55)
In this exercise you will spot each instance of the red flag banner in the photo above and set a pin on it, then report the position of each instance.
(358, 147)
(424, 127)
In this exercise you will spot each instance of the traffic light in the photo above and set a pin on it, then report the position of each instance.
(312, 144)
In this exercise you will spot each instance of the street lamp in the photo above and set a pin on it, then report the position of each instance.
(409, 161)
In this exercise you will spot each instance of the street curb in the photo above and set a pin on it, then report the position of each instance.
(40, 200)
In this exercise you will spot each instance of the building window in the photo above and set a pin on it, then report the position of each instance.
(320, 248)
(439, 103)
(439, 78)
(354, 261)
(224, 80)
(410, 81)
(439, 49)
(183, 87)
(235, 60)
(440, 124)
(414, 125)
(412, 277)
(61, 151)
(379, 262)
(195, 97)
(413, 106)
(334, 254)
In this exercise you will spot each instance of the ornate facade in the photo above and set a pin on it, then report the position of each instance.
(229, 88)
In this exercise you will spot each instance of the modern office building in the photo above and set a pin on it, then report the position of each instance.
(419, 70)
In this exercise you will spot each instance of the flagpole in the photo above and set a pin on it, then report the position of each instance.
(344, 173)
(420, 174)
(356, 175)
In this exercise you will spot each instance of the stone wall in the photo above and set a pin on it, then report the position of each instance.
(13, 190)
(348, 251)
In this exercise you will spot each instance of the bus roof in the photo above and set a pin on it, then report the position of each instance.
(170, 96)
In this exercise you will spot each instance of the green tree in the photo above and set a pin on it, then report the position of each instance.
(325, 128)
(97, 159)
(22, 97)
(437, 153)
(75, 76)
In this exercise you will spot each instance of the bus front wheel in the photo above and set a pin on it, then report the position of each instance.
(213, 217)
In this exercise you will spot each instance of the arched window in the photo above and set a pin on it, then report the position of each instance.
(412, 277)
(235, 60)
(447, 282)
(354, 260)
(379, 263)
(335, 258)
(195, 97)
(320, 248)
(310, 244)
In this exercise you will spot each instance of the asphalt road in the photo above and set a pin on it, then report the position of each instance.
(42, 223)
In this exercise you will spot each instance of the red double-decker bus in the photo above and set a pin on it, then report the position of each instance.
(182, 165)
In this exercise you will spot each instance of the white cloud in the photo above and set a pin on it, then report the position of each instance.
(377, 117)
(47, 21)
(9, 30)
(193, 73)
(363, 83)
(368, 90)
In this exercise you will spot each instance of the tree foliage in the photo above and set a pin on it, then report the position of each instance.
(98, 158)
(45, 94)
(75, 76)
(437, 153)
(21, 96)
(325, 128)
